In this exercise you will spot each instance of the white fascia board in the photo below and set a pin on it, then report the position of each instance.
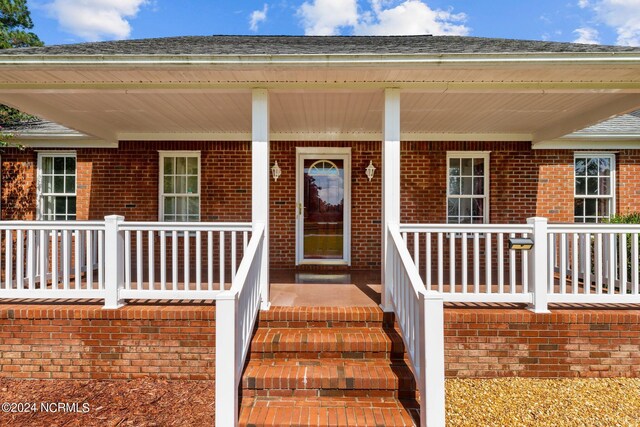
(610, 143)
(632, 58)
(68, 143)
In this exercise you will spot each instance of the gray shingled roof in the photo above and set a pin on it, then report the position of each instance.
(320, 45)
(626, 124)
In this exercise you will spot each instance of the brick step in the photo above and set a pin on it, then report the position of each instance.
(328, 377)
(318, 343)
(323, 317)
(319, 411)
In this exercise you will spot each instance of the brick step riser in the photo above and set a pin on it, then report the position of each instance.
(276, 324)
(293, 355)
(310, 393)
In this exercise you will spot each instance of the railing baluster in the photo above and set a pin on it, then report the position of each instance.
(611, 255)
(233, 255)
(101, 259)
(245, 241)
(476, 262)
(54, 259)
(89, 250)
(139, 262)
(452, 262)
(512, 268)
(187, 267)
(575, 263)
(152, 260)
(31, 260)
(416, 250)
(163, 260)
(198, 260)
(174, 260)
(623, 263)
(210, 259)
(489, 261)
(598, 257)
(464, 253)
(428, 262)
(587, 263)
(66, 259)
(551, 256)
(8, 261)
(127, 259)
(634, 263)
(222, 266)
(440, 262)
(76, 259)
(500, 263)
(525, 268)
(563, 263)
(44, 258)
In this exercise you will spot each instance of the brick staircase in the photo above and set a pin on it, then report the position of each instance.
(327, 366)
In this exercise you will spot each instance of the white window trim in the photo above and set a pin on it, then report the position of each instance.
(612, 156)
(471, 154)
(177, 153)
(42, 154)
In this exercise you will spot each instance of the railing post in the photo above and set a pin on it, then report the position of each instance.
(226, 397)
(113, 261)
(538, 272)
(432, 393)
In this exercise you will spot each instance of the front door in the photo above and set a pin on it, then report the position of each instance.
(323, 206)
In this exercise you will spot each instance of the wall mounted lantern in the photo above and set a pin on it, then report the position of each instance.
(276, 171)
(370, 170)
(520, 244)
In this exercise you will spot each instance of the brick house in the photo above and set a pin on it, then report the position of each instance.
(189, 168)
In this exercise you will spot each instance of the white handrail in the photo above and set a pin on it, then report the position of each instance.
(420, 315)
(236, 314)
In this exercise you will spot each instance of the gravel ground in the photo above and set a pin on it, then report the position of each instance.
(542, 402)
(477, 403)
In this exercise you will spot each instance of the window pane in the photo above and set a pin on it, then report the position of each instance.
(592, 186)
(181, 205)
(590, 207)
(181, 165)
(603, 207)
(478, 167)
(168, 165)
(478, 207)
(169, 205)
(70, 165)
(454, 185)
(47, 165)
(581, 186)
(61, 205)
(467, 186)
(578, 209)
(194, 205)
(465, 220)
(192, 185)
(467, 167)
(453, 220)
(48, 206)
(478, 186)
(605, 166)
(181, 184)
(58, 184)
(168, 184)
(192, 166)
(70, 184)
(71, 205)
(465, 207)
(453, 207)
(478, 220)
(604, 188)
(58, 165)
(47, 184)
(592, 167)
(454, 167)
(580, 167)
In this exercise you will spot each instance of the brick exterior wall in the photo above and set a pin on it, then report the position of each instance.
(523, 183)
(85, 342)
(518, 343)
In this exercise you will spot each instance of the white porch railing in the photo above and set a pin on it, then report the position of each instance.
(114, 260)
(236, 313)
(419, 313)
(50, 260)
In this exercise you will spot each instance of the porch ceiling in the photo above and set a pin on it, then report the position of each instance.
(513, 102)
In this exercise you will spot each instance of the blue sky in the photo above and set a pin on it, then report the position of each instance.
(587, 21)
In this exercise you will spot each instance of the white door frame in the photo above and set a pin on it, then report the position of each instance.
(339, 153)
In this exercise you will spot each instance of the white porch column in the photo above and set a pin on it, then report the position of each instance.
(260, 179)
(390, 182)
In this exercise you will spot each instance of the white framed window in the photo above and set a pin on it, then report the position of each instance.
(594, 186)
(56, 189)
(179, 186)
(467, 187)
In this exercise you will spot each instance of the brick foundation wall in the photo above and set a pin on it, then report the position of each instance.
(87, 342)
(565, 343)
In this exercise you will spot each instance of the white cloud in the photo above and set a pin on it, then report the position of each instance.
(587, 35)
(258, 16)
(411, 17)
(386, 17)
(95, 20)
(583, 4)
(325, 17)
(621, 15)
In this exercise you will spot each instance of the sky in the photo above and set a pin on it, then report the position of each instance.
(612, 22)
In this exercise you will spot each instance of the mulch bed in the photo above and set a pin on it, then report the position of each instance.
(142, 402)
